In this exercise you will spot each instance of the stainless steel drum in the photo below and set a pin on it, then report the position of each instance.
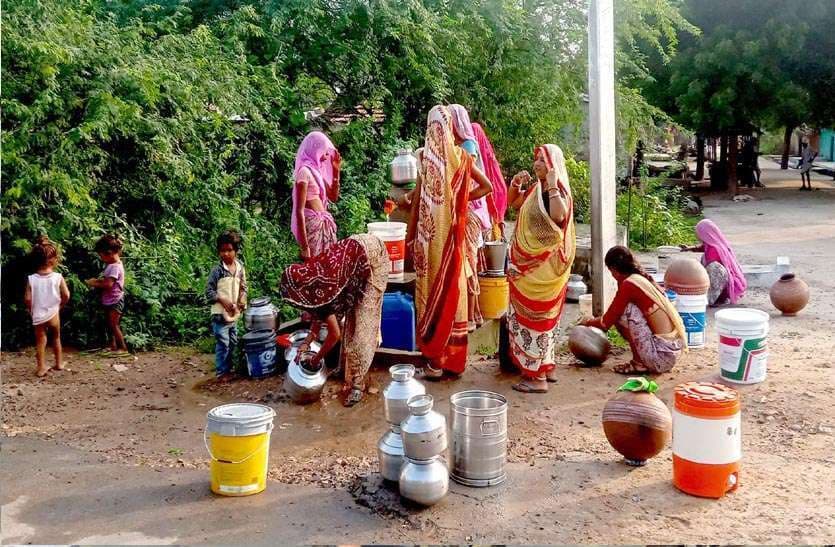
(424, 481)
(390, 453)
(403, 386)
(479, 437)
(303, 385)
(260, 315)
(404, 167)
(424, 431)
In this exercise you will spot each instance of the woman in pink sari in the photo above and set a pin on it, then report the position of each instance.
(727, 282)
(316, 184)
(496, 200)
(478, 216)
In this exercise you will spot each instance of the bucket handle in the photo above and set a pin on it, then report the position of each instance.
(492, 427)
(212, 456)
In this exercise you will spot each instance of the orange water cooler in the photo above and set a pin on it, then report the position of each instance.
(707, 440)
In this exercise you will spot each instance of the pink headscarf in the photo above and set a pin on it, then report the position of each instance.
(461, 122)
(497, 201)
(463, 129)
(717, 249)
(315, 153)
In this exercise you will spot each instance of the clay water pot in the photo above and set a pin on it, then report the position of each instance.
(789, 294)
(686, 276)
(637, 424)
(589, 344)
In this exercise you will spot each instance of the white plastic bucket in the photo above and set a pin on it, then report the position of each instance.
(692, 308)
(586, 309)
(743, 349)
(393, 234)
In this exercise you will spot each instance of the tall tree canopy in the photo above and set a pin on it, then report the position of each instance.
(758, 64)
(169, 120)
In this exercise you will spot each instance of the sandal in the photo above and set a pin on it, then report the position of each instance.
(632, 367)
(432, 373)
(525, 388)
(354, 397)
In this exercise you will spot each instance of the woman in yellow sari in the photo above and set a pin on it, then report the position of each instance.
(541, 256)
(437, 238)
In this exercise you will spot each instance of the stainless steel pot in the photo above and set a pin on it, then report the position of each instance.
(260, 315)
(296, 340)
(424, 431)
(304, 386)
(424, 481)
(575, 288)
(402, 387)
(495, 256)
(404, 167)
(479, 437)
(390, 454)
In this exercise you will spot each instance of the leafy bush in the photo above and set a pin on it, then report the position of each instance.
(656, 216)
(167, 121)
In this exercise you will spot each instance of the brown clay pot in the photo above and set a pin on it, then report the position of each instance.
(589, 344)
(789, 294)
(686, 276)
(637, 424)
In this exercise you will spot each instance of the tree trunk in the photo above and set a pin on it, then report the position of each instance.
(733, 145)
(787, 143)
(723, 151)
(700, 157)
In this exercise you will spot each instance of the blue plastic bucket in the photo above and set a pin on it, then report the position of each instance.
(260, 350)
(693, 311)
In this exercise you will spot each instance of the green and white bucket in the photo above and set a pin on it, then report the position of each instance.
(743, 351)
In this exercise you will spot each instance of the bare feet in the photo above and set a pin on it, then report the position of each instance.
(551, 376)
(41, 372)
(531, 385)
(59, 366)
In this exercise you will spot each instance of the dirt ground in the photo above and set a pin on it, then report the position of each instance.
(112, 450)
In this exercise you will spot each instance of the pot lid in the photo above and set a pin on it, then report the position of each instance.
(741, 317)
(241, 413)
(706, 395)
(401, 373)
(260, 301)
(420, 404)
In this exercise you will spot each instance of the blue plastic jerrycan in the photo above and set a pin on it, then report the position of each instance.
(398, 321)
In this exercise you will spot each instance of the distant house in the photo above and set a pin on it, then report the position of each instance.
(826, 143)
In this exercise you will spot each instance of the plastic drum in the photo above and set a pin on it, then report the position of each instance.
(707, 440)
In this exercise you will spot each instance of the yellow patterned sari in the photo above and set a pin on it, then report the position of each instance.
(541, 256)
(440, 246)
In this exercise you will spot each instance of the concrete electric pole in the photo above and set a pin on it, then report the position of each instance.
(602, 147)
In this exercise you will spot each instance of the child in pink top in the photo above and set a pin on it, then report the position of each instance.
(112, 285)
(46, 293)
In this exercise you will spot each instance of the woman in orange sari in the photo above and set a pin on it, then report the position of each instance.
(437, 237)
(541, 256)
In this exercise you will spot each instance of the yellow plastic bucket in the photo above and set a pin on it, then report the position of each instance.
(237, 437)
(494, 297)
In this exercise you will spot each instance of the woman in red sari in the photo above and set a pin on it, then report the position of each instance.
(437, 236)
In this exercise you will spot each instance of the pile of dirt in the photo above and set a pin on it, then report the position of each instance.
(326, 470)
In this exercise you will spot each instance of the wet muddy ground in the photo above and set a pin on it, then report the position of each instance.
(565, 484)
